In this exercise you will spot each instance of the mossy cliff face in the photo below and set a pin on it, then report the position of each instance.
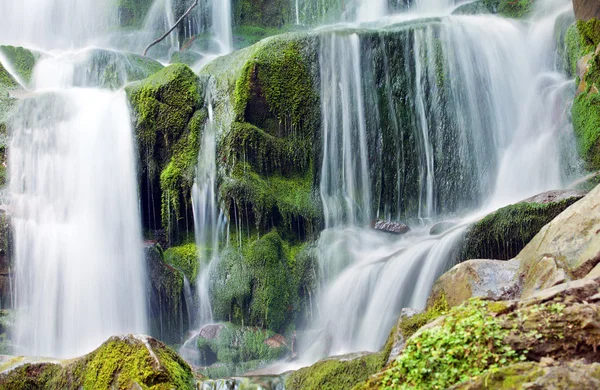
(504, 233)
(169, 118)
(127, 362)
(267, 284)
(264, 13)
(132, 12)
(518, 9)
(581, 43)
(268, 115)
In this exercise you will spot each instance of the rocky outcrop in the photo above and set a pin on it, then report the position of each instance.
(586, 9)
(493, 279)
(567, 248)
(504, 233)
(122, 362)
(169, 119)
(167, 315)
(481, 338)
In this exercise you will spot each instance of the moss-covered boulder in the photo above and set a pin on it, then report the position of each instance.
(112, 69)
(568, 245)
(185, 259)
(339, 372)
(132, 12)
(518, 9)
(21, 60)
(504, 233)
(168, 316)
(169, 119)
(267, 106)
(226, 346)
(267, 284)
(123, 362)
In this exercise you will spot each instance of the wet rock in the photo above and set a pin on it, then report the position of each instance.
(504, 233)
(122, 362)
(167, 317)
(567, 248)
(586, 9)
(210, 332)
(491, 279)
(441, 227)
(547, 374)
(398, 341)
(396, 228)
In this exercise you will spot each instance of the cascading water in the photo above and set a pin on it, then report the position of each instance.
(429, 88)
(221, 25)
(79, 272)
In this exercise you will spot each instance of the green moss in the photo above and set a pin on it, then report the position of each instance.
(518, 9)
(275, 91)
(334, 373)
(168, 124)
(185, 259)
(468, 342)
(590, 32)
(236, 344)
(272, 201)
(122, 363)
(22, 60)
(133, 12)
(246, 35)
(504, 233)
(511, 377)
(585, 115)
(266, 284)
(409, 326)
(265, 13)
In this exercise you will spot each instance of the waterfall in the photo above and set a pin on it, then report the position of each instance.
(370, 10)
(78, 270)
(208, 219)
(221, 25)
(439, 119)
(345, 185)
(54, 23)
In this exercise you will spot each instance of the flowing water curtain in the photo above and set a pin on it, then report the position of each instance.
(55, 23)
(79, 270)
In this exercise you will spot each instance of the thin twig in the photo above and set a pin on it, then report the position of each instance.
(172, 28)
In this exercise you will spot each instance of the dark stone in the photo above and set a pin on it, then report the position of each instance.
(397, 228)
(441, 227)
(586, 9)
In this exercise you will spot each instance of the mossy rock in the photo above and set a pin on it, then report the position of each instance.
(125, 362)
(548, 374)
(169, 119)
(132, 12)
(185, 259)
(342, 372)
(167, 317)
(504, 233)
(228, 343)
(22, 60)
(263, 13)
(265, 285)
(112, 69)
(517, 9)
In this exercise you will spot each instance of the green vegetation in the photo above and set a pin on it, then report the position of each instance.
(336, 373)
(169, 120)
(120, 363)
(468, 342)
(236, 344)
(185, 259)
(22, 60)
(133, 12)
(265, 285)
(410, 325)
(586, 122)
(504, 233)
